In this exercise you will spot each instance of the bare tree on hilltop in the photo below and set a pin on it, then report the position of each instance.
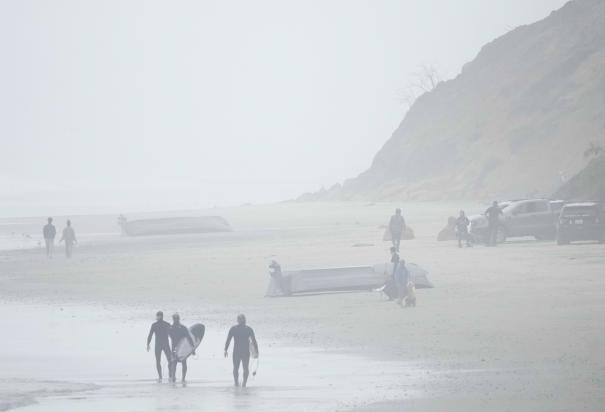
(594, 150)
(423, 81)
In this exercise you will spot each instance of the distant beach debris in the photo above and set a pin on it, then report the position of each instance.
(174, 225)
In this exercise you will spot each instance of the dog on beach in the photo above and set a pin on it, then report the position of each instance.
(410, 298)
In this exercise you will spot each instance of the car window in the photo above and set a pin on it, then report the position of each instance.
(540, 207)
(517, 209)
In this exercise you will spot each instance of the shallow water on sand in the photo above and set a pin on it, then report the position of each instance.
(94, 359)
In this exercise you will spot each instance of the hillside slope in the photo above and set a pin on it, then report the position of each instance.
(588, 184)
(510, 124)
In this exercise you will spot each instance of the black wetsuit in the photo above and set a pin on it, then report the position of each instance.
(178, 332)
(241, 335)
(493, 218)
(160, 329)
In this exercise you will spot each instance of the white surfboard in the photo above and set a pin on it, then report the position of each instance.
(253, 351)
(184, 348)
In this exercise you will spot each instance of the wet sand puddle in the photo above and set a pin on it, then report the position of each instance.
(105, 350)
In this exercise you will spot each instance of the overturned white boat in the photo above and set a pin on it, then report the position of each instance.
(340, 279)
(175, 225)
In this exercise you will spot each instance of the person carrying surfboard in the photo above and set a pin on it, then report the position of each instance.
(160, 328)
(178, 332)
(242, 336)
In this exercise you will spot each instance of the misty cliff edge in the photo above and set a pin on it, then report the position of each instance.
(513, 123)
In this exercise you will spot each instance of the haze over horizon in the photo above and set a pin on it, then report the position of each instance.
(111, 106)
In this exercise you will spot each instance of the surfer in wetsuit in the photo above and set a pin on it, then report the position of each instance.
(178, 332)
(242, 335)
(161, 330)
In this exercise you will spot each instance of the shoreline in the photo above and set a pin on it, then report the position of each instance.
(128, 374)
(518, 323)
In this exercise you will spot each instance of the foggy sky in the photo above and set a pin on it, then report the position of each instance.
(146, 105)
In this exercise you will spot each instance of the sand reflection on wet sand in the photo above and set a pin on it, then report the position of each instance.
(90, 352)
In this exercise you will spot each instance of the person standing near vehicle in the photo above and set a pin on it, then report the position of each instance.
(493, 214)
(69, 236)
(243, 337)
(49, 232)
(396, 228)
(462, 223)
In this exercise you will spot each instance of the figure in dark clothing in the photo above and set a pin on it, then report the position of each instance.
(161, 330)
(390, 287)
(394, 260)
(396, 228)
(49, 232)
(402, 276)
(242, 336)
(177, 333)
(69, 236)
(462, 223)
(276, 273)
(493, 223)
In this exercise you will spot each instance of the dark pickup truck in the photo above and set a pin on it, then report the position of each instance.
(528, 217)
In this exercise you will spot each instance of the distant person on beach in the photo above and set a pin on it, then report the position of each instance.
(493, 214)
(243, 337)
(69, 237)
(394, 259)
(396, 227)
(122, 223)
(161, 329)
(402, 277)
(49, 232)
(462, 223)
(178, 332)
(276, 273)
(390, 286)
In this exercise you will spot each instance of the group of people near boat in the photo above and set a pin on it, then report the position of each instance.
(169, 336)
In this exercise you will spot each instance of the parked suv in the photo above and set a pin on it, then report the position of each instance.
(581, 221)
(529, 217)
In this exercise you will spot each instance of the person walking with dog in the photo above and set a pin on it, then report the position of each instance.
(402, 277)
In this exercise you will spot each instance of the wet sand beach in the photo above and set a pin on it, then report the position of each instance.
(518, 327)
